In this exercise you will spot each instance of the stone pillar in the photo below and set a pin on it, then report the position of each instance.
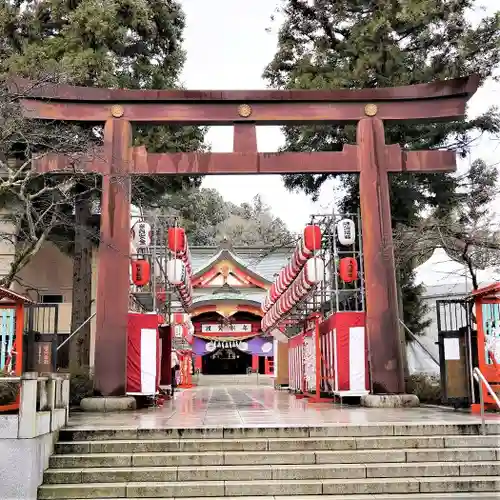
(27, 406)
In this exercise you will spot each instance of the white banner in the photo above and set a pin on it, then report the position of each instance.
(234, 328)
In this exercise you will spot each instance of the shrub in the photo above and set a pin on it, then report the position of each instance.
(8, 390)
(81, 386)
(426, 387)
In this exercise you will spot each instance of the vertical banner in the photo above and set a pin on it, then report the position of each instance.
(143, 348)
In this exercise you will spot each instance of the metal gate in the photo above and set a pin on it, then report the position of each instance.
(40, 336)
(456, 355)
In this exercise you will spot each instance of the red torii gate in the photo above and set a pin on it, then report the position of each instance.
(370, 157)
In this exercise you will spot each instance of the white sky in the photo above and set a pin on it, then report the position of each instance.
(228, 48)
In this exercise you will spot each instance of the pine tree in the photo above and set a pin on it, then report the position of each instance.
(102, 43)
(330, 44)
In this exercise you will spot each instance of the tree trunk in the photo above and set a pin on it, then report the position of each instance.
(79, 345)
(402, 332)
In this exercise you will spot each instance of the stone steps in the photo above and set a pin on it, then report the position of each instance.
(421, 461)
(218, 458)
(251, 379)
(274, 444)
(408, 496)
(269, 472)
(274, 487)
(294, 432)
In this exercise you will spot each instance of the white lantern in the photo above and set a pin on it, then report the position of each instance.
(159, 269)
(141, 235)
(314, 270)
(133, 250)
(267, 347)
(346, 232)
(176, 271)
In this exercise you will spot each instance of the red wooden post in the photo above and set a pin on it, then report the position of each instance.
(255, 362)
(113, 279)
(382, 318)
(198, 363)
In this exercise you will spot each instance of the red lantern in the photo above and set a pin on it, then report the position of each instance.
(176, 239)
(141, 272)
(348, 269)
(312, 238)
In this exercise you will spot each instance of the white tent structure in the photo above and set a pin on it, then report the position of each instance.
(443, 278)
(441, 270)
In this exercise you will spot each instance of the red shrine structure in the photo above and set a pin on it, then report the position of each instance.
(371, 158)
(229, 285)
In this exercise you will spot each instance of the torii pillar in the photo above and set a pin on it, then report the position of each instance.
(371, 158)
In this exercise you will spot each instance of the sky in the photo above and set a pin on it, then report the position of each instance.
(228, 48)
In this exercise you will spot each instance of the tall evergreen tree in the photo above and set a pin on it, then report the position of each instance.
(103, 43)
(330, 44)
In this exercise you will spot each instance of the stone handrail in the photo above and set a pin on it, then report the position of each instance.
(27, 437)
(43, 406)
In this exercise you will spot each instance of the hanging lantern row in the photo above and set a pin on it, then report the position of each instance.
(182, 326)
(178, 244)
(346, 232)
(177, 275)
(311, 274)
(179, 271)
(308, 244)
(140, 271)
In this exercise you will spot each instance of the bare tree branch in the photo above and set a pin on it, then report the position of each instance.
(33, 205)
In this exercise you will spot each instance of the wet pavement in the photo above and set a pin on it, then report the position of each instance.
(261, 407)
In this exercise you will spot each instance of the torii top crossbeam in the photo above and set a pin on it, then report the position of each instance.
(429, 101)
(370, 157)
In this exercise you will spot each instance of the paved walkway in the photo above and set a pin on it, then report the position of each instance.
(260, 407)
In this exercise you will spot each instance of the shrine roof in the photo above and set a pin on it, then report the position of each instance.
(9, 296)
(262, 261)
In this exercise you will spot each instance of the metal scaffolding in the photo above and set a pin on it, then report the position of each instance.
(331, 294)
(158, 295)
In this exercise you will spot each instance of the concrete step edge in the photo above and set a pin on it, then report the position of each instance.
(284, 481)
(273, 466)
(374, 496)
(267, 452)
(337, 430)
(280, 439)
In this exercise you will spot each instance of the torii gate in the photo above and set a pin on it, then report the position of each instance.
(370, 157)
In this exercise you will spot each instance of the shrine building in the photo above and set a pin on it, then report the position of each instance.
(229, 285)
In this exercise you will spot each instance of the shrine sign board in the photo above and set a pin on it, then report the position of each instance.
(370, 157)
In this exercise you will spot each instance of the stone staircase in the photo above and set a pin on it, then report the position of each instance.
(411, 461)
(253, 379)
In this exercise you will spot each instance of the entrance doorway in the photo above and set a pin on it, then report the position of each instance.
(226, 361)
